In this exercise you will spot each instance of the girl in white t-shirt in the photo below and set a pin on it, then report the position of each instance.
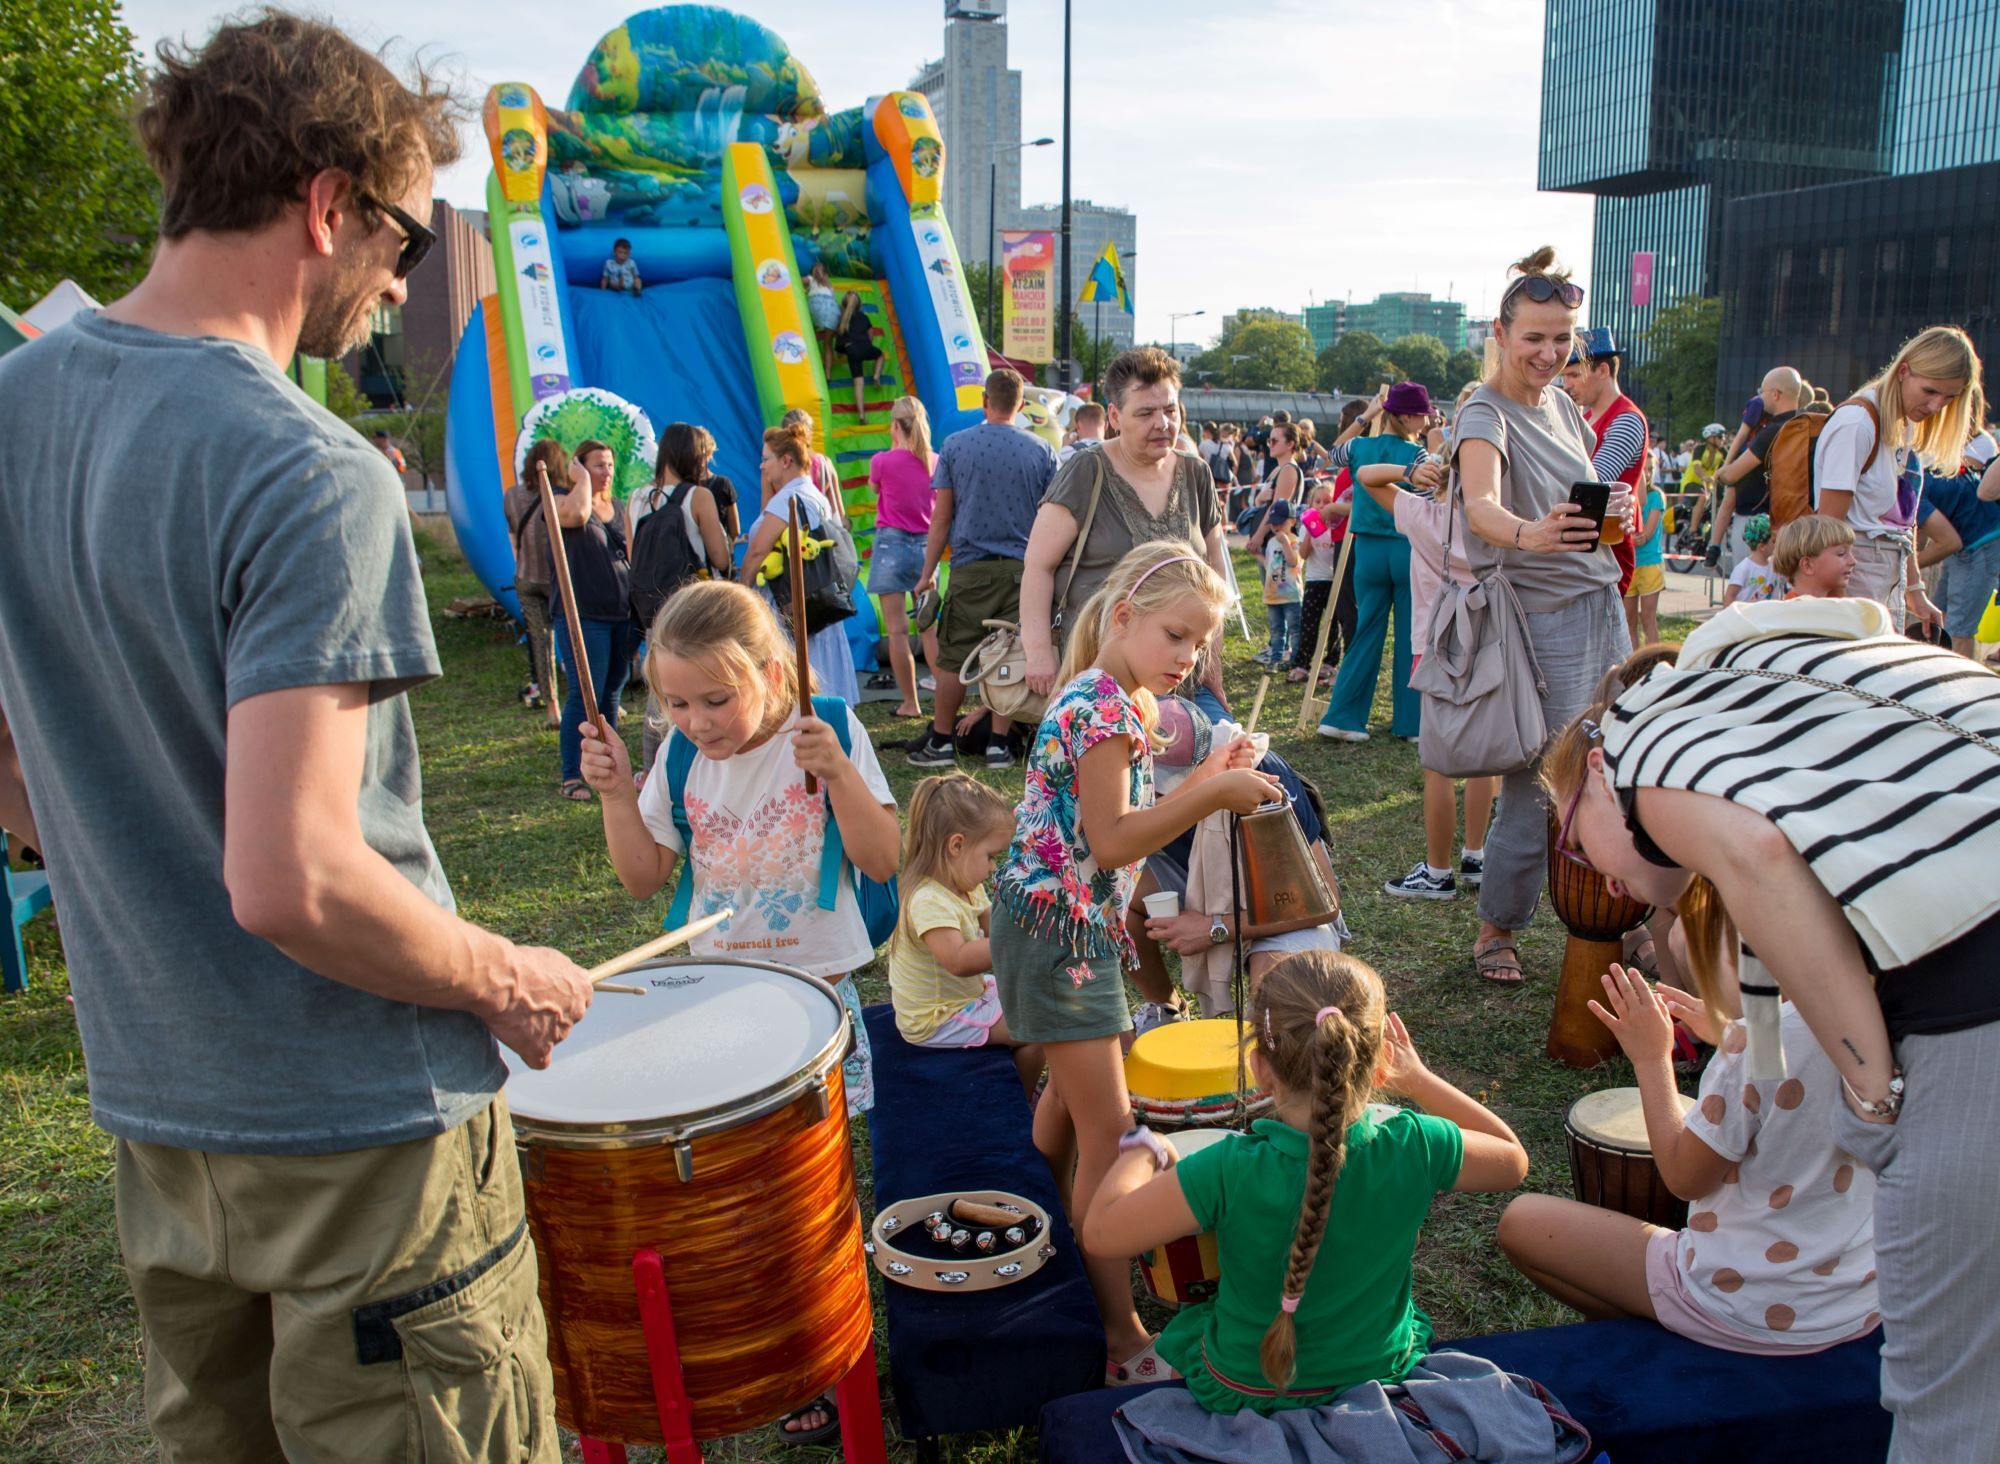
(725, 675)
(1869, 459)
(1778, 1255)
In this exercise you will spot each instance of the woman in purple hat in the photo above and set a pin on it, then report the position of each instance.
(1380, 569)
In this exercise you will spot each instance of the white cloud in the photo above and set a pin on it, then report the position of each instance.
(1291, 150)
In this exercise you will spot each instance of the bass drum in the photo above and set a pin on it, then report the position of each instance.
(706, 1120)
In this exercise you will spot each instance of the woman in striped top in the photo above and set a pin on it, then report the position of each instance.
(1830, 792)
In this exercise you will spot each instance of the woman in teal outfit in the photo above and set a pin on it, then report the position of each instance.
(1381, 571)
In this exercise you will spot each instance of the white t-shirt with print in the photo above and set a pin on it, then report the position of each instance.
(1757, 582)
(757, 843)
(1842, 448)
(1786, 1243)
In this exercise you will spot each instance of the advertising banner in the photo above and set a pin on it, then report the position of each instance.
(1027, 312)
(1642, 278)
(965, 355)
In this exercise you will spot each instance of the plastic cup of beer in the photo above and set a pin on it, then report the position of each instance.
(1613, 531)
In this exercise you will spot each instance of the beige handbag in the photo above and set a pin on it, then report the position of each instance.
(998, 665)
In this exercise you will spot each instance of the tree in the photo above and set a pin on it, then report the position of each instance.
(81, 201)
(1268, 354)
(1676, 386)
(1463, 366)
(343, 397)
(1422, 358)
(1356, 363)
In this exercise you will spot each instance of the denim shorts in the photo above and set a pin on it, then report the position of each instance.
(897, 563)
(1969, 580)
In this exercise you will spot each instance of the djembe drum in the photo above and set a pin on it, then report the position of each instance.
(1597, 921)
(1611, 1158)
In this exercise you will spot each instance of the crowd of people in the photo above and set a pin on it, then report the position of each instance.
(295, 1040)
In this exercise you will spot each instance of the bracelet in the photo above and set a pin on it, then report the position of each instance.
(1519, 524)
(1882, 1108)
(1141, 1137)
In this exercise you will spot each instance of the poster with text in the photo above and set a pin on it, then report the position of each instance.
(1027, 311)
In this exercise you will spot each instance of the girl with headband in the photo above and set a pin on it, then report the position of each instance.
(1086, 822)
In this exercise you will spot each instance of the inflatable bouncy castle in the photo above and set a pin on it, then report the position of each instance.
(696, 135)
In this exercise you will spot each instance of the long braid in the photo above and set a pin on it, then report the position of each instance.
(1322, 1019)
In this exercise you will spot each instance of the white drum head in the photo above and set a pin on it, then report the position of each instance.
(1614, 1119)
(705, 1036)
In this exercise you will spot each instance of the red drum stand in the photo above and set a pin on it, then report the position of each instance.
(856, 1394)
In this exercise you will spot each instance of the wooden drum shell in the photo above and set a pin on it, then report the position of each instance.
(1597, 921)
(764, 1269)
(1621, 1176)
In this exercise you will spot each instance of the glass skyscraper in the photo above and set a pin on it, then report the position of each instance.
(1948, 93)
(1667, 109)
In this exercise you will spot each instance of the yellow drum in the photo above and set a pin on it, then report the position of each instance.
(1188, 1269)
(1183, 1075)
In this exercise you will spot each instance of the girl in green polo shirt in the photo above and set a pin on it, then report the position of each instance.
(1329, 1172)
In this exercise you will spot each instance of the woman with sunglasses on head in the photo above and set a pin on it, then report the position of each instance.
(1518, 443)
(1829, 791)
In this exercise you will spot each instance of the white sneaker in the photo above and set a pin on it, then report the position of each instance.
(1421, 884)
(1341, 734)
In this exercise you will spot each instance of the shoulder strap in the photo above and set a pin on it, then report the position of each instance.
(680, 760)
(1082, 533)
(832, 853)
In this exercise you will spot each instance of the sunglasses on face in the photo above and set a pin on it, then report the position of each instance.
(1541, 289)
(1564, 847)
(417, 238)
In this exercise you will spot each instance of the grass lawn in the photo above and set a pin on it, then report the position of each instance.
(533, 867)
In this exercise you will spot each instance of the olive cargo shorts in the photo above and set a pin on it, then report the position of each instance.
(373, 1305)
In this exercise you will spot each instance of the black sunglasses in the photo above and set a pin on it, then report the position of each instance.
(417, 238)
(1541, 289)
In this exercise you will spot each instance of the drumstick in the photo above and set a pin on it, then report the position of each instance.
(639, 955)
(1257, 706)
(796, 573)
(579, 660)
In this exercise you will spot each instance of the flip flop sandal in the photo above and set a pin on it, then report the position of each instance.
(1144, 1366)
(575, 790)
(822, 1404)
(1498, 960)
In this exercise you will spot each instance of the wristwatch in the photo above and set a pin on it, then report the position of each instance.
(1141, 1137)
(1218, 931)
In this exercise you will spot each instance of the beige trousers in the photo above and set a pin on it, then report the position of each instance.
(1878, 573)
(374, 1305)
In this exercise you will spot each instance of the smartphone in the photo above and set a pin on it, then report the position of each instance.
(1592, 500)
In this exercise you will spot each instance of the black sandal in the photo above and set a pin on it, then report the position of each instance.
(830, 1429)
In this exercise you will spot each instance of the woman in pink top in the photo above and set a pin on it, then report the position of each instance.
(1422, 520)
(901, 478)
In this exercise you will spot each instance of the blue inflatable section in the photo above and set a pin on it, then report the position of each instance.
(471, 475)
(661, 254)
(678, 352)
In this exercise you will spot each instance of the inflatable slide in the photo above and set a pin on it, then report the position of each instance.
(694, 134)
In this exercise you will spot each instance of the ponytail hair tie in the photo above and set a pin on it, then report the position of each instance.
(1288, 1304)
(1324, 1012)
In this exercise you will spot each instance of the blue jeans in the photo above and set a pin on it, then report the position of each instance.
(1969, 579)
(608, 645)
(1284, 622)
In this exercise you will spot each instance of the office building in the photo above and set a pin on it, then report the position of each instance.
(1666, 110)
(1410, 313)
(1325, 323)
(977, 102)
(406, 361)
(1091, 226)
(1834, 279)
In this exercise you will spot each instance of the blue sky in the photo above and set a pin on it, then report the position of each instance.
(1276, 153)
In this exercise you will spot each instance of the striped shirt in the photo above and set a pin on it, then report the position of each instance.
(1898, 817)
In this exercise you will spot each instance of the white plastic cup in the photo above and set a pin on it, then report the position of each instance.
(1162, 905)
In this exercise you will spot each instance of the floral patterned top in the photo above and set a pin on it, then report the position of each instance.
(1049, 881)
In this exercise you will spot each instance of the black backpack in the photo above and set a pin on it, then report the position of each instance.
(662, 558)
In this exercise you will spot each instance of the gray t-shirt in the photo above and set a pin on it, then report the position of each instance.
(1542, 451)
(182, 528)
(1122, 523)
(997, 474)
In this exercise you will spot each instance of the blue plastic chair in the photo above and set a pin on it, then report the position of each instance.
(25, 894)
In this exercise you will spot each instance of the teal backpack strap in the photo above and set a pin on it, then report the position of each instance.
(680, 759)
(832, 711)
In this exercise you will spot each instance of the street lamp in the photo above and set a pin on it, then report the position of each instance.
(1173, 328)
(993, 151)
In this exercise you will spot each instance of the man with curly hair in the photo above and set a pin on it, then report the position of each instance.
(289, 1033)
